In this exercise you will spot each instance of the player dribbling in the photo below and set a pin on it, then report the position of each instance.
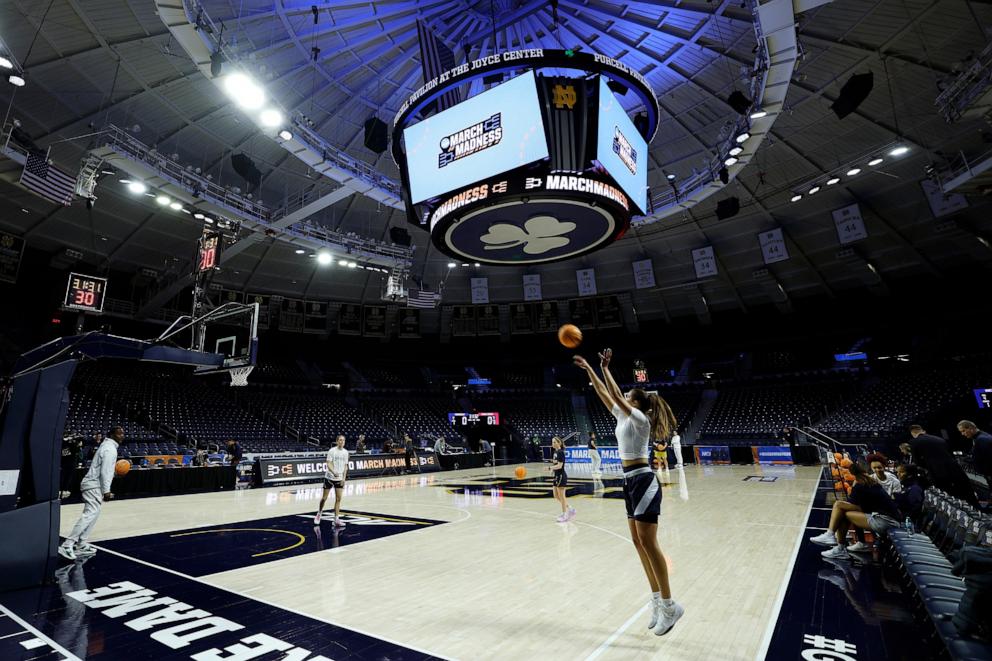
(334, 477)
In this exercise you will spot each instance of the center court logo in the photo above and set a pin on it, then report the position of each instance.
(471, 140)
(623, 149)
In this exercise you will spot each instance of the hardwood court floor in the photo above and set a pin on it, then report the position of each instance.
(501, 579)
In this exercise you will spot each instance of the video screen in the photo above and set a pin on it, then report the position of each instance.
(620, 149)
(491, 133)
(984, 397)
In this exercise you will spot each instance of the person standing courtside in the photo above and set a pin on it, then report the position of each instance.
(981, 450)
(931, 453)
(234, 454)
(677, 448)
(72, 448)
(594, 456)
(334, 477)
(96, 489)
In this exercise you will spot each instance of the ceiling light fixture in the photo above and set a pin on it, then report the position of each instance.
(285, 135)
(137, 187)
(736, 151)
(300, 251)
(670, 176)
(758, 114)
(198, 216)
(899, 151)
(853, 172)
(5, 63)
(451, 265)
(477, 265)
(796, 197)
(833, 180)
(270, 118)
(743, 137)
(875, 161)
(176, 206)
(324, 258)
(208, 221)
(730, 161)
(814, 190)
(352, 265)
(15, 80)
(163, 200)
(244, 91)
(342, 262)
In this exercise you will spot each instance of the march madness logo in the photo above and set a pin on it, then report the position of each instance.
(471, 140)
(622, 148)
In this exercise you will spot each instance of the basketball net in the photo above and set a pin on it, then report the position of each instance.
(239, 375)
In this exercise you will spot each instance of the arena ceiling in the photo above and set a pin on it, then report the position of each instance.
(93, 62)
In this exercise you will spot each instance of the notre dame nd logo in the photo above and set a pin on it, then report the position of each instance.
(564, 96)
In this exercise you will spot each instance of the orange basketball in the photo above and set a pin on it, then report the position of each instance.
(570, 336)
(838, 456)
(838, 486)
(847, 487)
(122, 467)
(849, 478)
(521, 472)
(835, 473)
(846, 463)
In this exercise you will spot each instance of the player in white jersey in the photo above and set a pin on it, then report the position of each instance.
(334, 476)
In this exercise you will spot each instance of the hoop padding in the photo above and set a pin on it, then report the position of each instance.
(239, 375)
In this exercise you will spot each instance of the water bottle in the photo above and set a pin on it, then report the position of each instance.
(908, 526)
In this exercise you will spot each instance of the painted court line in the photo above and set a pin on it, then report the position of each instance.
(766, 640)
(269, 603)
(619, 632)
(48, 641)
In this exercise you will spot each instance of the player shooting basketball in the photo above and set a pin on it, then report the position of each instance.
(96, 489)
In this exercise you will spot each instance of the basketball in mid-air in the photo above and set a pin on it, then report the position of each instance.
(521, 472)
(122, 467)
(570, 336)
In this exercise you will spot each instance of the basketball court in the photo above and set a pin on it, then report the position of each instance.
(464, 564)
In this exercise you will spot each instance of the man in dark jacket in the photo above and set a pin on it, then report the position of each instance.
(981, 450)
(931, 453)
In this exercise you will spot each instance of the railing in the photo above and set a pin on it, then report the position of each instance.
(818, 438)
(971, 83)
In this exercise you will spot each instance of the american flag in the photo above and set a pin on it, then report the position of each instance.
(47, 180)
(420, 298)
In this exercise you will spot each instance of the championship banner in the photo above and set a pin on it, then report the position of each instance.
(463, 320)
(350, 319)
(643, 274)
(291, 315)
(704, 261)
(11, 250)
(773, 246)
(609, 455)
(586, 281)
(608, 312)
(777, 455)
(532, 287)
(487, 320)
(480, 291)
(712, 454)
(264, 315)
(521, 318)
(850, 224)
(408, 322)
(315, 318)
(546, 317)
(230, 296)
(312, 467)
(374, 321)
(941, 204)
(580, 311)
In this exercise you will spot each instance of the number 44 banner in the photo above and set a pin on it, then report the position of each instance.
(850, 224)
(773, 246)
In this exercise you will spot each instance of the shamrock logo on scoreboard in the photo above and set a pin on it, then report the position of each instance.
(539, 235)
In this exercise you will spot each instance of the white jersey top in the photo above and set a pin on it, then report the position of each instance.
(632, 433)
(337, 463)
(891, 484)
(101, 472)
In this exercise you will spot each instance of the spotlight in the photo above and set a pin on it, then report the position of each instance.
(352, 265)
(341, 262)
(244, 91)
(285, 135)
(199, 216)
(208, 221)
(730, 161)
(477, 265)
(833, 180)
(670, 176)
(875, 161)
(15, 80)
(758, 114)
(451, 265)
(743, 137)
(300, 251)
(270, 118)
(137, 187)
(736, 151)
(5, 63)
(740, 103)
(175, 206)
(853, 172)
(899, 151)
(464, 264)
(163, 200)
(796, 197)
(324, 258)
(814, 190)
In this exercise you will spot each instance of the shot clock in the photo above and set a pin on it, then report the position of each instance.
(208, 257)
(85, 292)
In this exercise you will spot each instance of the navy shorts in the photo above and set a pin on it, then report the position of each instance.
(561, 479)
(642, 494)
(331, 484)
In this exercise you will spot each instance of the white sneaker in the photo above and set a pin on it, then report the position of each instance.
(655, 613)
(84, 548)
(570, 514)
(825, 539)
(858, 547)
(338, 523)
(563, 518)
(668, 619)
(838, 552)
(316, 519)
(66, 551)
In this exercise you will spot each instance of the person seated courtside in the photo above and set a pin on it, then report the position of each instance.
(867, 507)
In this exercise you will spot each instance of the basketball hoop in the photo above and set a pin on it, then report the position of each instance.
(239, 375)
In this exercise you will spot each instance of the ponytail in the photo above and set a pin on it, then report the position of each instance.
(658, 412)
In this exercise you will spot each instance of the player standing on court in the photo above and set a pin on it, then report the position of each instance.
(95, 489)
(560, 483)
(640, 417)
(334, 476)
